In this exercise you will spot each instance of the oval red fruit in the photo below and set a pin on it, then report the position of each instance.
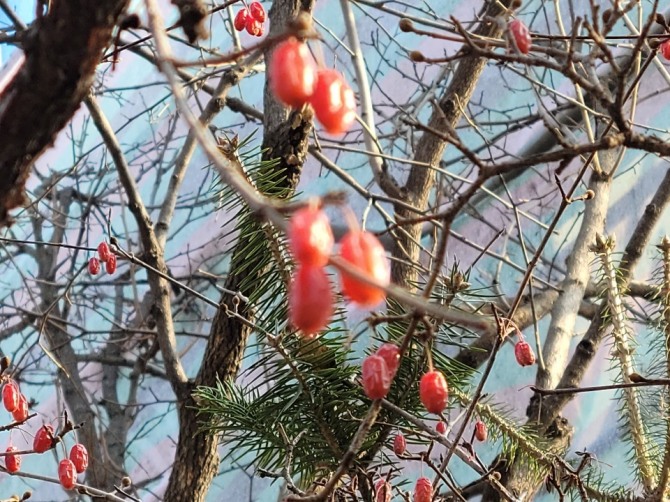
(110, 264)
(254, 27)
(79, 457)
(383, 491)
(480, 431)
(423, 491)
(292, 73)
(390, 352)
(21, 412)
(399, 444)
(94, 266)
(364, 251)
(434, 391)
(67, 474)
(441, 427)
(257, 11)
(43, 439)
(12, 462)
(103, 251)
(333, 101)
(520, 36)
(11, 396)
(664, 48)
(524, 353)
(240, 22)
(376, 379)
(310, 299)
(310, 237)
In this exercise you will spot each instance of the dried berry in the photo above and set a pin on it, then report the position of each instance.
(43, 438)
(399, 444)
(11, 396)
(441, 427)
(383, 491)
(520, 35)
(257, 11)
(310, 237)
(481, 433)
(21, 412)
(664, 49)
(364, 251)
(67, 474)
(423, 491)
(333, 101)
(310, 299)
(524, 353)
(110, 264)
(434, 391)
(94, 266)
(390, 352)
(12, 462)
(254, 27)
(376, 379)
(292, 73)
(103, 251)
(240, 22)
(79, 457)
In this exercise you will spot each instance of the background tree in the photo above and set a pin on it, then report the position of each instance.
(495, 174)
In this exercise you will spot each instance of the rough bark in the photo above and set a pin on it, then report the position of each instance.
(62, 51)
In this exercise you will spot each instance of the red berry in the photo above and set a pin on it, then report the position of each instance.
(524, 353)
(423, 491)
(67, 474)
(110, 264)
(364, 251)
(480, 431)
(292, 73)
(257, 11)
(254, 27)
(43, 439)
(520, 36)
(21, 412)
(12, 462)
(665, 49)
(310, 237)
(376, 378)
(11, 396)
(441, 427)
(399, 444)
(333, 101)
(383, 491)
(79, 457)
(390, 352)
(241, 19)
(103, 251)
(434, 391)
(94, 266)
(310, 299)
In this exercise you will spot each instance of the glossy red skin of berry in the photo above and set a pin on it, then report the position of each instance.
(42, 441)
(254, 27)
(481, 433)
(21, 413)
(399, 444)
(257, 11)
(94, 266)
(310, 299)
(383, 491)
(240, 22)
(12, 462)
(524, 353)
(364, 251)
(423, 491)
(103, 251)
(310, 237)
(664, 49)
(11, 396)
(375, 376)
(521, 36)
(333, 101)
(67, 474)
(110, 264)
(434, 391)
(441, 427)
(79, 457)
(390, 352)
(292, 73)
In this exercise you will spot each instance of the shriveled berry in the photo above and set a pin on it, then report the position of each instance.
(376, 379)
(292, 73)
(664, 49)
(364, 251)
(240, 22)
(67, 474)
(43, 438)
(383, 491)
(110, 264)
(21, 412)
(103, 251)
(79, 457)
(310, 237)
(310, 299)
(333, 101)
(12, 462)
(481, 433)
(434, 391)
(390, 352)
(441, 427)
(254, 27)
(524, 353)
(520, 35)
(423, 491)
(257, 11)
(399, 444)
(94, 266)
(11, 396)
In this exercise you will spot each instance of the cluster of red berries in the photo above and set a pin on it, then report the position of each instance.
(251, 19)
(379, 369)
(310, 296)
(106, 257)
(519, 35)
(14, 401)
(295, 81)
(68, 468)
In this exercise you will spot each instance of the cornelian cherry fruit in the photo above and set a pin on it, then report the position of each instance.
(43, 438)
(481, 433)
(103, 251)
(441, 427)
(434, 391)
(254, 27)
(423, 490)
(390, 352)
(376, 378)
(364, 251)
(520, 35)
(110, 264)
(524, 353)
(11, 396)
(21, 412)
(12, 462)
(67, 474)
(399, 444)
(383, 491)
(79, 457)
(664, 49)
(292, 73)
(257, 11)
(310, 237)
(94, 266)
(333, 101)
(310, 299)
(240, 22)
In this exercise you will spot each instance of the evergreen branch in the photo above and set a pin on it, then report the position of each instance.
(664, 482)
